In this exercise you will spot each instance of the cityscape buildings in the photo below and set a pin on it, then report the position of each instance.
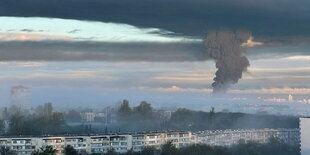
(137, 141)
(20, 97)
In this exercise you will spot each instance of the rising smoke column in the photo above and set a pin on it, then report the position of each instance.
(226, 48)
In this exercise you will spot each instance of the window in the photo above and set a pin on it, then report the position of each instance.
(28, 147)
(105, 144)
(114, 143)
(152, 142)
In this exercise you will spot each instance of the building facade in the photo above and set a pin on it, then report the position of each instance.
(137, 141)
(304, 124)
(231, 137)
(20, 97)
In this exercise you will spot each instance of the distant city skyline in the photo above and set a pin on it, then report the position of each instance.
(20, 97)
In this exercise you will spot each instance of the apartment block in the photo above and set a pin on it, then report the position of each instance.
(137, 141)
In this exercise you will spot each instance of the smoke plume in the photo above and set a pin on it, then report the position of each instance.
(226, 48)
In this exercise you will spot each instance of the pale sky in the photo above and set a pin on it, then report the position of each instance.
(93, 61)
(19, 28)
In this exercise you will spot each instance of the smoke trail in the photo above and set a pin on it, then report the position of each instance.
(226, 48)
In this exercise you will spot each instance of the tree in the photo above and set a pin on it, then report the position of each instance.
(144, 109)
(17, 124)
(5, 113)
(51, 124)
(168, 149)
(73, 116)
(48, 108)
(69, 150)
(124, 110)
(6, 151)
(211, 116)
(183, 118)
(200, 149)
(47, 150)
(111, 152)
(2, 126)
(57, 119)
(148, 151)
(131, 152)
(45, 110)
(212, 112)
(274, 147)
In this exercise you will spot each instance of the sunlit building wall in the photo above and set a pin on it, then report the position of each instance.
(305, 135)
(137, 141)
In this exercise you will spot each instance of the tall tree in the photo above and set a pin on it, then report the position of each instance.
(144, 109)
(48, 150)
(69, 150)
(73, 116)
(168, 149)
(124, 110)
(48, 108)
(111, 152)
(148, 151)
(6, 151)
(17, 123)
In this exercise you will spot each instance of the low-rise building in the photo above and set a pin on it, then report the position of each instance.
(231, 137)
(88, 116)
(79, 143)
(121, 143)
(137, 141)
(57, 143)
(304, 124)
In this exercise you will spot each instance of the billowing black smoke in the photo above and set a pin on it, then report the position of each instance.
(225, 47)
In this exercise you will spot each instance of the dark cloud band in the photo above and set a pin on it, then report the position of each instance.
(100, 51)
(140, 51)
(187, 17)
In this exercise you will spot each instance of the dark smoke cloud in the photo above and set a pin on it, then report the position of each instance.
(225, 48)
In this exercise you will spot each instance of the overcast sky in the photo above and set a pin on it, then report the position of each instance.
(93, 51)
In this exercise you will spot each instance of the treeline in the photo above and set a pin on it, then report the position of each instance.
(273, 147)
(139, 118)
(184, 119)
(43, 121)
(143, 117)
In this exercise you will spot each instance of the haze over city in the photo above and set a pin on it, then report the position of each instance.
(66, 60)
(154, 77)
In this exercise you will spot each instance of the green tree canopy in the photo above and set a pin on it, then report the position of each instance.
(69, 150)
(6, 151)
(48, 150)
(168, 149)
(124, 110)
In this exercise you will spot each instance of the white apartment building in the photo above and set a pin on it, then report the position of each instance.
(22, 146)
(157, 139)
(121, 143)
(57, 143)
(88, 116)
(80, 143)
(124, 142)
(231, 137)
